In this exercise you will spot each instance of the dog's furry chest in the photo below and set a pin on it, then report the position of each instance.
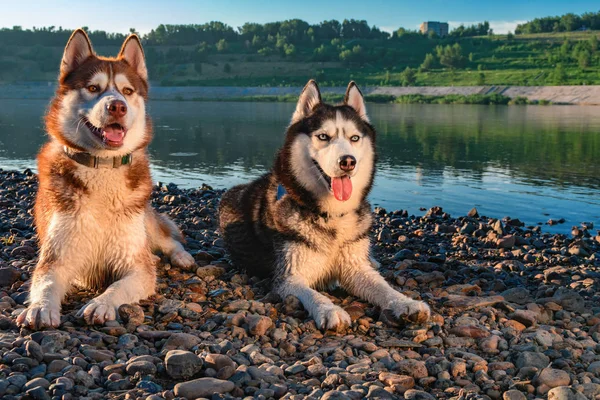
(105, 226)
(324, 233)
(107, 191)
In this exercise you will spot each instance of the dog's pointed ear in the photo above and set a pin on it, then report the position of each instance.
(354, 99)
(132, 52)
(78, 49)
(310, 97)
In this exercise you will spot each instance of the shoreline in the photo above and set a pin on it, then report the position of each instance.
(574, 95)
(514, 310)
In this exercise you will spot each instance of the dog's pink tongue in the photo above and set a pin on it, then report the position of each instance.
(113, 135)
(342, 187)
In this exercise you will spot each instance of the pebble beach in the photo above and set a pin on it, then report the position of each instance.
(515, 316)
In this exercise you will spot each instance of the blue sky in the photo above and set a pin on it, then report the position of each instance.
(119, 16)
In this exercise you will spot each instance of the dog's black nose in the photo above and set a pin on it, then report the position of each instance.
(117, 108)
(347, 163)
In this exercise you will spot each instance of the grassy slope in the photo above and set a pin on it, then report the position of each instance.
(522, 61)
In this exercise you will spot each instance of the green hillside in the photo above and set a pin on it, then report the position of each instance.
(288, 53)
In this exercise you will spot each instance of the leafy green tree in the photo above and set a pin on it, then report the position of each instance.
(584, 59)
(281, 42)
(256, 41)
(565, 50)
(450, 56)
(325, 53)
(428, 63)
(227, 68)
(222, 46)
(559, 76)
(346, 56)
(289, 50)
(408, 77)
(266, 51)
(480, 29)
(481, 79)
(355, 29)
(594, 42)
(569, 22)
(352, 56)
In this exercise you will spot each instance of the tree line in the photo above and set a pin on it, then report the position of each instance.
(565, 23)
(293, 31)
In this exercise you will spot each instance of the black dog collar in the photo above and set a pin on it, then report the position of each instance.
(91, 161)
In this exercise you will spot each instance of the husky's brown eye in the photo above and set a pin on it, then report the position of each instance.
(355, 138)
(127, 91)
(93, 88)
(323, 137)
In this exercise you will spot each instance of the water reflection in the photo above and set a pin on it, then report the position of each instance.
(527, 162)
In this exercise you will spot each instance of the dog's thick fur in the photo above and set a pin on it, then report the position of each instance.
(96, 227)
(308, 239)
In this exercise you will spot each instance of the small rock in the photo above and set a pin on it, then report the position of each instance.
(295, 369)
(414, 368)
(526, 317)
(210, 270)
(402, 381)
(569, 299)
(38, 393)
(143, 367)
(553, 378)
(513, 395)
(34, 350)
(517, 295)
(258, 325)
(36, 382)
(506, 242)
(8, 276)
(532, 359)
(181, 364)
(183, 341)
(468, 302)
(218, 361)
(473, 213)
(132, 314)
(594, 368)
(564, 393)
(203, 387)
(168, 306)
(413, 394)
(469, 331)
(98, 355)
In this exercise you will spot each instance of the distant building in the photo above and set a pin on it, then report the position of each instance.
(440, 28)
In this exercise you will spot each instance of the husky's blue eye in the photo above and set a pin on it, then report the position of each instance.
(323, 136)
(355, 138)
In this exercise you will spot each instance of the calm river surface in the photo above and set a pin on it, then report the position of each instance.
(529, 162)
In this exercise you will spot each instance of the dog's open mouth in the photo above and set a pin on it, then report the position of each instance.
(340, 186)
(111, 135)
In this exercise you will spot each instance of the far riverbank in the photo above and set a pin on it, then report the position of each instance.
(576, 95)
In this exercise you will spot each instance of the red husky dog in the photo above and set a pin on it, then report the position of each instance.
(92, 211)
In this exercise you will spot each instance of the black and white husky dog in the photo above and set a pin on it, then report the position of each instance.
(306, 223)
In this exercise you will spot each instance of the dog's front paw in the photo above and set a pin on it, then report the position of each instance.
(332, 317)
(411, 310)
(38, 316)
(182, 259)
(98, 311)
